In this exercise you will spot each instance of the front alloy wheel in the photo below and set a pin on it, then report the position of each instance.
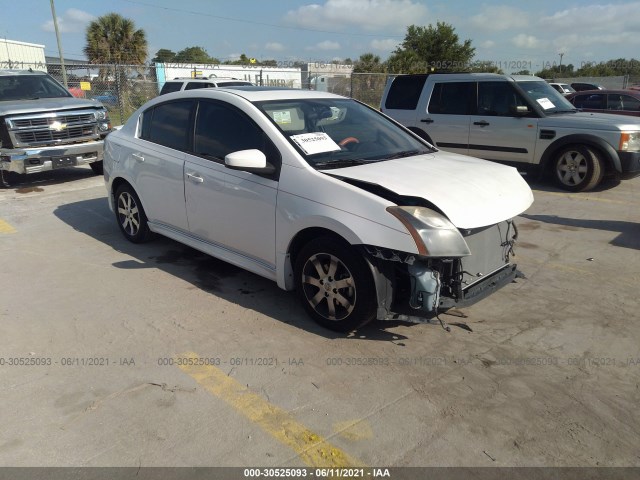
(130, 214)
(578, 168)
(335, 285)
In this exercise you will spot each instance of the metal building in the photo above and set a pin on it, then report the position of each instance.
(21, 55)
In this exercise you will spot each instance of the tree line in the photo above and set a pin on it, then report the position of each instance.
(113, 39)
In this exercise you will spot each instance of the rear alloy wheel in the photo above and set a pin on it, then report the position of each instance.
(578, 168)
(335, 285)
(130, 214)
(96, 167)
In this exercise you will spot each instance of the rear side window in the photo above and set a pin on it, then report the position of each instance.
(453, 98)
(168, 124)
(405, 92)
(170, 87)
(617, 101)
(195, 85)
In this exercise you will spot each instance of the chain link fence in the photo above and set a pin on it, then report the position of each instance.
(125, 88)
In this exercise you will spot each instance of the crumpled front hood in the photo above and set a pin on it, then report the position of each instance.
(24, 107)
(471, 192)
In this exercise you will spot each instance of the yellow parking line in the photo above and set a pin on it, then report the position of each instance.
(6, 228)
(312, 449)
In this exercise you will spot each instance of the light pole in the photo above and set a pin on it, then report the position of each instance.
(55, 25)
(560, 66)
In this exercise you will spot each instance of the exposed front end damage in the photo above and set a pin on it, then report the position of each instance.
(417, 287)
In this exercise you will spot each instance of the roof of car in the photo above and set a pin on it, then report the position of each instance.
(606, 90)
(253, 94)
(21, 72)
(208, 80)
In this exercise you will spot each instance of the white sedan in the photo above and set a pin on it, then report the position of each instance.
(321, 194)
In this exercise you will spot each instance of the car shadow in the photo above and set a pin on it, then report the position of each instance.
(231, 283)
(629, 231)
(547, 185)
(35, 181)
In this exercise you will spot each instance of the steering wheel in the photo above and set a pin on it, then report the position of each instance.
(346, 141)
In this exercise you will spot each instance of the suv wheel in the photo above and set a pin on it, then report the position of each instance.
(131, 217)
(578, 168)
(335, 285)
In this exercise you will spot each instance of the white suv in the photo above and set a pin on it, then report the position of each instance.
(321, 194)
(178, 84)
(519, 120)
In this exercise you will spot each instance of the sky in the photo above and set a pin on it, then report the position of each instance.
(513, 35)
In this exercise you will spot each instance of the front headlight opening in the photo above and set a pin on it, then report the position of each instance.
(433, 234)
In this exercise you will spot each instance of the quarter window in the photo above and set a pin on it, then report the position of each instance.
(405, 92)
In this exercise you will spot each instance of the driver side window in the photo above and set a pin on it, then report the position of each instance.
(498, 99)
(222, 129)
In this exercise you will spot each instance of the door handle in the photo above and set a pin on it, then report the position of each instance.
(427, 120)
(138, 157)
(482, 123)
(195, 177)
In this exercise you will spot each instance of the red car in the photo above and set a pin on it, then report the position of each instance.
(621, 102)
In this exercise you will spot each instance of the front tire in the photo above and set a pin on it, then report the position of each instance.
(578, 168)
(130, 215)
(334, 284)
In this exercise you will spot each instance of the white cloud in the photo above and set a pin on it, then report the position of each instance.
(525, 41)
(367, 14)
(326, 45)
(488, 44)
(600, 18)
(71, 21)
(274, 47)
(385, 45)
(501, 17)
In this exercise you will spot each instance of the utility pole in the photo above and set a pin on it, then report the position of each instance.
(55, 25)
(560, 66)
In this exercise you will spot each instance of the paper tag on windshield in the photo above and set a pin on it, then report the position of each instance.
(317, 142)
(545, 103)
(282, 118)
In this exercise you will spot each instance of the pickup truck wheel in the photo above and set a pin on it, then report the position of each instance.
(335, 285)
(10, 179)
(130, 215)
(578, 168)
(96, 167)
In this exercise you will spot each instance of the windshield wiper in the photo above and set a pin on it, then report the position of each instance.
(345, 162)
(573, 110)
(404, 154)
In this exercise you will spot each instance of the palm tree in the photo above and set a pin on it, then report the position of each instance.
(114, 40)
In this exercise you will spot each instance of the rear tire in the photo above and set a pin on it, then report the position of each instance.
(97, 167)
(130, 215)
(578, 168)
(334, 284)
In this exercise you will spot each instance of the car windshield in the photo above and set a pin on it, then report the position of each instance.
(546, 97)
(334, 133)
(30, 87)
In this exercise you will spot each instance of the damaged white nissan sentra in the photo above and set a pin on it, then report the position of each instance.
(321, 194)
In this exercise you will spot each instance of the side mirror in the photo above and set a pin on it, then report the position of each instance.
(519, 110)
(253, 161)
